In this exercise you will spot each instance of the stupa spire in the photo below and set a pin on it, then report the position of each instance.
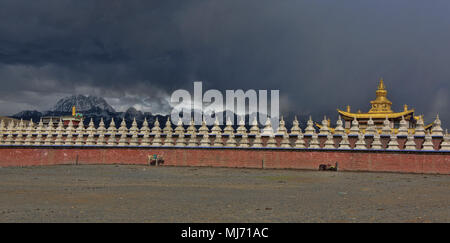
(144, 127)
(168, 127)
(156, 129)
(112, 127)
(241, 129)
(203, 129)
(296, 127)
(381, 104)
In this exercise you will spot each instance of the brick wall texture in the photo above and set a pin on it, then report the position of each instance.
(434, 162)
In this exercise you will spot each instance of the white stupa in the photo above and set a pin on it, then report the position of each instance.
(50, 129)
(386, 130)
(231, 142)
(393, 143)
(228, 130)
(324, 130)
(360, 143)
(285, 143)
(157, 139)
(134, 140)
(403, 128)
(134, 128)
(241, 129)
(145, 129)
(339, 130)
(156, 129)
(257, 142)
(296, 130)
(354, 129)
(329, 143)
(123, 127)
(2, 127)
(376, 144)
(244, 143)
(410, 143)
(205, 142)
(428, 144)
(216, 128)
(91, 128)
(371, 129)
(268, 130)
(69, 139)
(123, 141)
(445, 145)
(344, 144)
(300, 142)
(254, 129)
(101, 127)
(314, 142)
(168, 127)
(192, 142)
(112, 130)
(179, 129)
(310, 130)
(181, 140)
(420, 127)
(192, 130)
(271, 142)
(437, 129)
(282, 128)
(168, 141)
(101, 140)
(218, 141)
(203, 130)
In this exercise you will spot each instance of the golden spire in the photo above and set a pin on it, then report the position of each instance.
(381, 85)
(381, 104)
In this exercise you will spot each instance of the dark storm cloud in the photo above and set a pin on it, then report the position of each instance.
(321, 55)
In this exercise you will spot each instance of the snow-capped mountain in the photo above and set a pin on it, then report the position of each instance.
(95, 108)
(82, 103)
(92, 107)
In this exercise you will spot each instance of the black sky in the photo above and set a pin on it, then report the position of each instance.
(321, 55)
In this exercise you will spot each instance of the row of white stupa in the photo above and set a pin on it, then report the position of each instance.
(19, 134)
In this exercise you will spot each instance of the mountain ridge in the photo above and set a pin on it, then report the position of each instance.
(96, 108)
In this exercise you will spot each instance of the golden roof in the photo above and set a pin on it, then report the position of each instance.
(381, 107)
(395, 130)
(376, 116)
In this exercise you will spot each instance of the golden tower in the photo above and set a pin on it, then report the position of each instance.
(381, 104)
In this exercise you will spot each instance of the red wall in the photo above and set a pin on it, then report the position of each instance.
(388, 161)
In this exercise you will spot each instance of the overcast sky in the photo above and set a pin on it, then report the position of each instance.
(321, 55)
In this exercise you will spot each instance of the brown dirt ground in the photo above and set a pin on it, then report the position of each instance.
(130, 193)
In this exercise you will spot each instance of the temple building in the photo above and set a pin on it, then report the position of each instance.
(379, 112)
(75, 118)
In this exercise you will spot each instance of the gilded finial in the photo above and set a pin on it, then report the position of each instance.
(381, 104)
(381, 85)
